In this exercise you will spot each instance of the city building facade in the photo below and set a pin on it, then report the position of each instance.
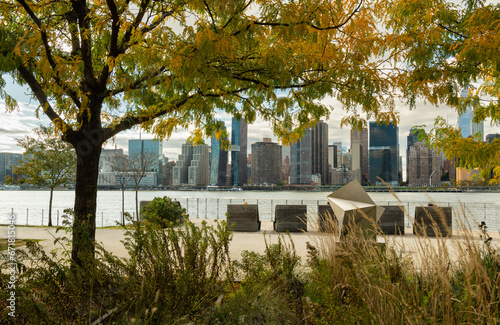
(309, 156)
(239, 171)
(218, 163)
(8, 161)
(180, 171)
(198, 169)
(361, 137)
(384, 154)
(424, 166)
(266, 163)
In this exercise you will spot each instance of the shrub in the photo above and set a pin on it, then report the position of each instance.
(163, 211)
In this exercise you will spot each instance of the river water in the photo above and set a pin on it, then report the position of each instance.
(31, 207)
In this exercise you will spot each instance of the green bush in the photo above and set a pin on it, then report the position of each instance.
(163, 211)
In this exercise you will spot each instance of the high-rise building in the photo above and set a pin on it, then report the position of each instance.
(424, 165)
(167, 173)
(107, 161)
(361, 137)
(320, 151)
(285, 170)
(8, 162)
(149, 150)
(467, 127)
(266, 163)
(356, 155)
(309, 156)
(198, 168)
(219, 163)
(491, 137)
(239, 172)
(384, 154)
(180, 171)
(301, 160)
(340, 154)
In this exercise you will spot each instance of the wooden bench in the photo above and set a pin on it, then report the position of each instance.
(392, 221)
(292, 218)
(431, 218)
(243, 217)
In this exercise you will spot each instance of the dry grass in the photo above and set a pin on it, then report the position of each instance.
(435, 280)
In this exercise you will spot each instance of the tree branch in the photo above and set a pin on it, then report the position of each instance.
(40, 95)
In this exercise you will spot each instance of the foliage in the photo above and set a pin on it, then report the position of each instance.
(270, 291)
(163, 212)
(47, 161)
(448, 47)
(169, 274)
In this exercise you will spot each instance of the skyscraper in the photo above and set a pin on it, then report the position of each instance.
(309, 156)
(361, 137)
(219, 163)
(424, 165)
(301, 160)
(384, 154)
(266, 163)
(147, 150)
(467, 127)
(198, 167)
(320, 151)
(180, 171)
(8, 161)
(239, 152)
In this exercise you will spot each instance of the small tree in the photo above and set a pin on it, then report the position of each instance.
(138, 166)
(47, 162)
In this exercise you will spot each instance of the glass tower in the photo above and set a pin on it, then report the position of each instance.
(239, 168)
(219, 163)
(384, 154)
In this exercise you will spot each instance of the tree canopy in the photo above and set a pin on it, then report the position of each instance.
(173, 63)
(446, 47)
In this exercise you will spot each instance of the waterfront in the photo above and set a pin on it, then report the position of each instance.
(28, 205)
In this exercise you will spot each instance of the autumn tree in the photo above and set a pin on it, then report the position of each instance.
(98, 68)
(444, 48)
(47, 162)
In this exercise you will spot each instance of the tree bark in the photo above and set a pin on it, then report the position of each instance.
(84, 224)
(50, 206)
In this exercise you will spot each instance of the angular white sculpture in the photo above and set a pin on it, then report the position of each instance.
(354, 209)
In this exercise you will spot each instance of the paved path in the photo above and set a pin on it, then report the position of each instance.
(407, 244)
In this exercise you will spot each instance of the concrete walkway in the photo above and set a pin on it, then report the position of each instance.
(407, 245)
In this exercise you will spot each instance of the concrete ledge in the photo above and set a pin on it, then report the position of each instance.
(327, 221)
(243, 217)
(292, 218)
(392, 221)
(426, 217)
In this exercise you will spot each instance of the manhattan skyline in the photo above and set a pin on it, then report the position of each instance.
(20, 123)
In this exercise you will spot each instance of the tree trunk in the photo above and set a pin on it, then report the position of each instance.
(137, 201)
(84, 225)
(50, 206)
